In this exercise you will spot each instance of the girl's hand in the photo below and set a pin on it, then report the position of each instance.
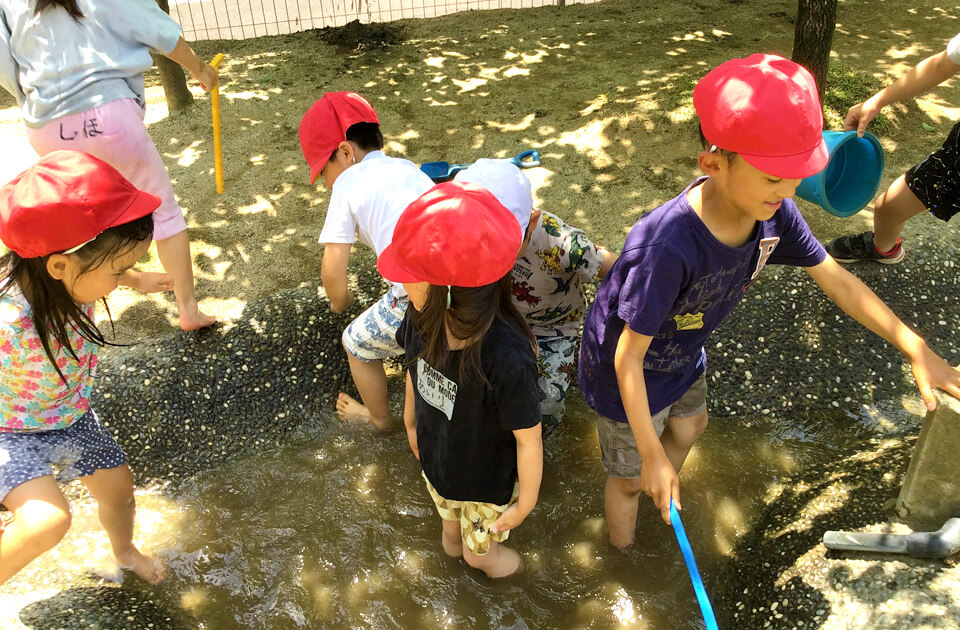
(659, 480)
(412, 438)
(512, 517)
(147, 281)
(206, 76)
(932, 371)
(155, 282)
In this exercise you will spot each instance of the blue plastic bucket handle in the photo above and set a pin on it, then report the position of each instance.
(852, 175)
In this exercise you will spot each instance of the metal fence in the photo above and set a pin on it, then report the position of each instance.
(242, 19)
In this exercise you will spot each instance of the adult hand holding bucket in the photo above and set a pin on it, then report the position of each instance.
(852, 175)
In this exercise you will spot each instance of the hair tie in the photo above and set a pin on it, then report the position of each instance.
(448, 295)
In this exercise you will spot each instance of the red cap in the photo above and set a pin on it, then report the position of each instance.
(454, 234)
(765, 108)
(65, 200)
(325, 125)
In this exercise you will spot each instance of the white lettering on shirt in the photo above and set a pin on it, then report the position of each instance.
(767, 245)
(437, 390)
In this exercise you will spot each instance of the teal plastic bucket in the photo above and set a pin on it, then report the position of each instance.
(852, 175)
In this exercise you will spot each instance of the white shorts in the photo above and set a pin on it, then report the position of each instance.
(372, 336)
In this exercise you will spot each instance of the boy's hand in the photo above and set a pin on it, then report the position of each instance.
(511, 518)
(932, 371)
(206, 76)
(860, 115)
(659, 480)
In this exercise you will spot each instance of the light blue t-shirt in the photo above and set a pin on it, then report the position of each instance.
(56, 67)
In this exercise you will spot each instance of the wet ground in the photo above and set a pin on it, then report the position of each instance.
(335, 529)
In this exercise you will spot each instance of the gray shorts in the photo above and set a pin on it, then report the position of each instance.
(620, 456)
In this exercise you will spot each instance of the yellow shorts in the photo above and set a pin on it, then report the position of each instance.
(475, 517)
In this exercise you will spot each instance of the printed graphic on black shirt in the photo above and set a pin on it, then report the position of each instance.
(437, 390)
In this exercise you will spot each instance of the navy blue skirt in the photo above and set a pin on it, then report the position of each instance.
(77, 451)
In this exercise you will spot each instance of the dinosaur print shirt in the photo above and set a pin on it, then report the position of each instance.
(547, 278)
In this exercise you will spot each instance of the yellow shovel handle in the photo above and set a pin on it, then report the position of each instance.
(217, 144)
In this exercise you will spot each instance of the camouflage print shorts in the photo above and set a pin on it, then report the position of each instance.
(556, 368)
(476, 518)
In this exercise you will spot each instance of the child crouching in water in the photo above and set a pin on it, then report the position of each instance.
(75, 227)
(472, 410)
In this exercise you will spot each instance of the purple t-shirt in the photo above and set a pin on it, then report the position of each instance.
(675, 282)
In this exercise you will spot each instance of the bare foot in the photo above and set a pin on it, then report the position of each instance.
(349, 408)
(150, 569)
(191, 318)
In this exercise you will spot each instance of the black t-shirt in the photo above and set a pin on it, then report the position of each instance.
(465, 430)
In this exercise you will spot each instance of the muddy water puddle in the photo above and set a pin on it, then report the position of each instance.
(337, 530)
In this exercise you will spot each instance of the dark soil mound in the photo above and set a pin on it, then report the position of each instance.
(357, 36)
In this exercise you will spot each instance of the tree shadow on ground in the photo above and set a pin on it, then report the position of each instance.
(603, 91)
(781, 574)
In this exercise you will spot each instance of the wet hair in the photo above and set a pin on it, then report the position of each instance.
(470, 315)
(365, 135)
(54, 312)
(706, 144)
(70, 6)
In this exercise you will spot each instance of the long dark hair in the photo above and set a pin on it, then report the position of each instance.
(54, 312)
(471, 313)
(70, 6)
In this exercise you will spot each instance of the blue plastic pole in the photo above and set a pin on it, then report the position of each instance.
(705, 608)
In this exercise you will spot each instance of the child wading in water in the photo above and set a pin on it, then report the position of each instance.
(687, 264)
(342, 142)
(76, 69)
(472, 409)
(75, 227)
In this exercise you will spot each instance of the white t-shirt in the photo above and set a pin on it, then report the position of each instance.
(368, 198)
(953, 49)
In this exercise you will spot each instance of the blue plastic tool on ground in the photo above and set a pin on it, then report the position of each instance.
(444, 171)
(705, 608)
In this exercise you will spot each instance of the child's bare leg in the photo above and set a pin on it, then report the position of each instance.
(498, 562)
(620, 500)
(371, 381)
(41, 518)
(174, 253)
(894, 207)
(451, 539)
(679, 435)
(116, 506)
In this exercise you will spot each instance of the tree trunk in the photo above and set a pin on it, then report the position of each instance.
(172, 77)
(813, 38)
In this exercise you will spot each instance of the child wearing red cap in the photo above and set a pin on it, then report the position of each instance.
(685, 266)
(74, 227)
(76, 68)
(555, 260)
(932, 185)
(341, 140)
(471, 409)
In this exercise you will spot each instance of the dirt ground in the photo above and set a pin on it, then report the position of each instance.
(602, 90)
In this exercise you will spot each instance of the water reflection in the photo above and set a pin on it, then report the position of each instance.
(336, 530)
